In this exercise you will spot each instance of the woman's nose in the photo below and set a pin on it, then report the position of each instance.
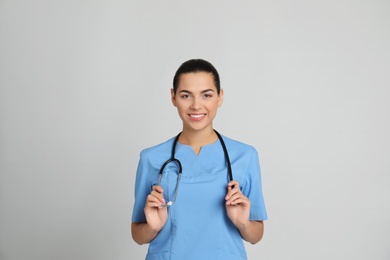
(195, 103)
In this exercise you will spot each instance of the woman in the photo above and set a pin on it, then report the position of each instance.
(208, 216)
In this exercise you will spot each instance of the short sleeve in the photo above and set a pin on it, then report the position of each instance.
(253, 188)
(142, 189)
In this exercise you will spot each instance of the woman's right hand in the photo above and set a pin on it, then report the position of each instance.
(156, 216)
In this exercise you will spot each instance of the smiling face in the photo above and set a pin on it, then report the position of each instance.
(197, 100)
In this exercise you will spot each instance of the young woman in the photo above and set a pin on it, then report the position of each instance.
(209, 209)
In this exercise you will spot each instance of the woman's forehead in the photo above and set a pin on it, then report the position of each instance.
(197, 81)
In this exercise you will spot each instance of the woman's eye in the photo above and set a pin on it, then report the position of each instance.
(207, 95)
(185, 96)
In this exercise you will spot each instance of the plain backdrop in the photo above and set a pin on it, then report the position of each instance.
(85, 86)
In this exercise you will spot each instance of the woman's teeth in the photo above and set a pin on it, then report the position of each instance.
(197, 116)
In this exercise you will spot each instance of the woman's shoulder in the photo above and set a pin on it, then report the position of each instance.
(158, 149)
(241, 151)
(234, 144)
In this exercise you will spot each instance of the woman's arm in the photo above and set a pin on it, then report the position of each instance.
(142, 233)
(238, 209)
(156, 217)
(252, 232)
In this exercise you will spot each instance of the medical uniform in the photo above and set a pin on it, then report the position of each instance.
(198, 226)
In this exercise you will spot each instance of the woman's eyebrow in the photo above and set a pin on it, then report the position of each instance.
(189, 92)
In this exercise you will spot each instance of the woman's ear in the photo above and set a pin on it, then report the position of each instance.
(220, 97)
(173, 97)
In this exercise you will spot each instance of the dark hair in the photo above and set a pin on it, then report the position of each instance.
(193, 66)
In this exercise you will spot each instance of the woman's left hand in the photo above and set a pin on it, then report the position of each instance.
(237, 205)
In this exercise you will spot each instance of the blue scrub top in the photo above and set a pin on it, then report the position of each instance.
(198, 226)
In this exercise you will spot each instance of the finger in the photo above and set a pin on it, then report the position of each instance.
(233, 184)
(233, 188)
(152, 201)
(235, 194)
(153, 205)
(158, 188)
(231, 193)
(158, 193)
(234, 197)
(158, 196)
(243, 201)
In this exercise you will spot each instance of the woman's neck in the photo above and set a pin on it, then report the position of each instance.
(197, 139)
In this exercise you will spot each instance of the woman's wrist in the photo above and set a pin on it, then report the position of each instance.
(242, 226)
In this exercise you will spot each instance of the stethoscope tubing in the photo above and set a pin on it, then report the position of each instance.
(173, 159)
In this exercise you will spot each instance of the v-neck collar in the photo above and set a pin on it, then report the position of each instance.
(202, 148)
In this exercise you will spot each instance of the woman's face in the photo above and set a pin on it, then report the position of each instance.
(197, 100)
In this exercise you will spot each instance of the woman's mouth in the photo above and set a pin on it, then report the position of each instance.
(196, 116)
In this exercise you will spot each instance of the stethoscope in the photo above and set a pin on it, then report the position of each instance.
(173, 159)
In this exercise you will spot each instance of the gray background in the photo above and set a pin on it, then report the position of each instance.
(85, 86)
